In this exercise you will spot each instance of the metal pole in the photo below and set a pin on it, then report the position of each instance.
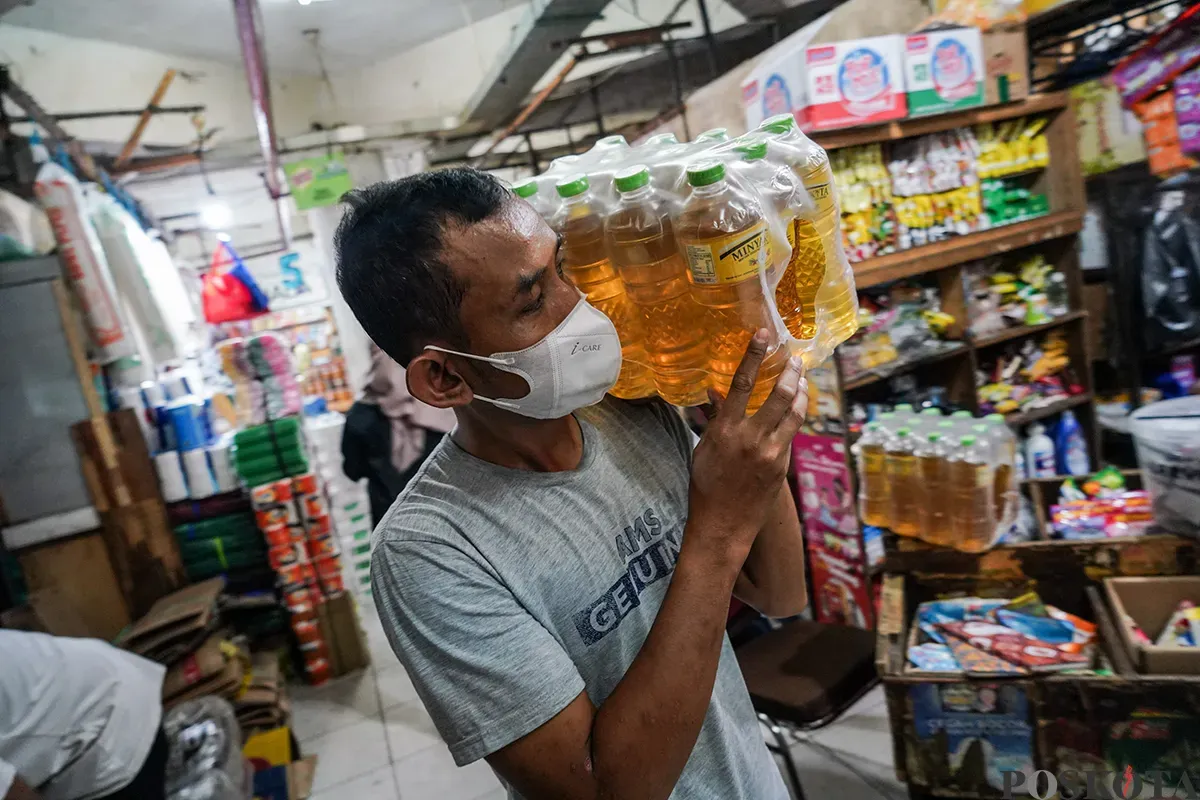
(714, 56)
(678, 81)
(595, 93)
(533, 159)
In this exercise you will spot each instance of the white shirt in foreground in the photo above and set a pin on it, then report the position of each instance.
(77, 716)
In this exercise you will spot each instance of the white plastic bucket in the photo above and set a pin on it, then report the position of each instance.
(1167, 436)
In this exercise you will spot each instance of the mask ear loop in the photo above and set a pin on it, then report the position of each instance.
(508, 362)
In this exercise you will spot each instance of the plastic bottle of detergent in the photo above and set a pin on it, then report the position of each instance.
(722, 235)
(580, 221)
(1039, 453)
(1072, 449)
(641, 242)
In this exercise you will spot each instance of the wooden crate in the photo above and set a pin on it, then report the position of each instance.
(124, 488)
(1065, 716)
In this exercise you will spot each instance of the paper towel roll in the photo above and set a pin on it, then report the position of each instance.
(199, 476)
(170, 476)
(222, 467)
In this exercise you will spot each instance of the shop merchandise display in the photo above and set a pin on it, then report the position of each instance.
(944, 71)
(903, 324)
(690, 248)
(1183, 628)
(264, 383)
(1019, 636)
(949, 481)
(856, 82)
(868, 209)
(1167, 439)
(1032, 374)
(349, 506)
(205, 752)
(1032, 293)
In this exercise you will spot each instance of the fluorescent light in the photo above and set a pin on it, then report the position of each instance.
(216, 216)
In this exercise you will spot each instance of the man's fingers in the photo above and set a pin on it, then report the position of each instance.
(747, 374)
(780, 400)
(789, 426)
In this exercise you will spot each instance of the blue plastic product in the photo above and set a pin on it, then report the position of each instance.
(1071, 447)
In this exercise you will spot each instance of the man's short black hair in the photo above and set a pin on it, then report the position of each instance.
(389, 246)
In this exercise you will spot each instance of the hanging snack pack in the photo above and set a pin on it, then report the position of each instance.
(691, 247)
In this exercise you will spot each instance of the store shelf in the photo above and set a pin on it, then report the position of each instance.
(960, 249)
(900, 367)
(1057, 479)
(906, 128)
(1027, 330)
(1025, 417)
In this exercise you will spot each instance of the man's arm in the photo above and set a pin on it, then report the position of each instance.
(772, 580)
(12, 786)
(636, 744)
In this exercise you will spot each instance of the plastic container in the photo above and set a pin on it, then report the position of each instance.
(874, 491)
(934, 468)
(1071, 446)
(641, 242)
(1040, 457)
(1167, 437)
(972, 512)
(905, 482)
(722, 234)
(580, 222)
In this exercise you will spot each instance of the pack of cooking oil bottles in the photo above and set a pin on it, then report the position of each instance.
(690, 248)
(949, 481)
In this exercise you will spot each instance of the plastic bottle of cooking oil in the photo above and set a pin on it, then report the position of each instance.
(1004, 443)
(714, 135)
(822, 277)
(641, 243)
(874, 491)
(935, 481)
(722, 235)
(529, 191)
(580, 221)
(777, 187)
(972, 514)
(963, 420)
(887, 420)
(905, 482)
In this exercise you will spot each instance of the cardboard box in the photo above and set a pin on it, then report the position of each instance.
(1150, 602)
(339, 625)
(944, 71)
(1006, 64)
(176, 624)
(856, 82)
(778, 84)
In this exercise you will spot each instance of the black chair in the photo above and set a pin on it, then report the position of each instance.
(805, 675)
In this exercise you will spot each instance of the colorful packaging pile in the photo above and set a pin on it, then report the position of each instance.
(293, 516)
(270, 452)
(904, 323)
(261, 370)
(1023, 636)
(1031, 374)
(936, 185)
(348, 502)
(868, 210)
(997, 299)
(691, 247)
(1103, 507)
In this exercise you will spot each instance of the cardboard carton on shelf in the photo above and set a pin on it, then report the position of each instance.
(1150, 603)
(944, 71)
(1006, 64)
(177, 624)
(856, 82)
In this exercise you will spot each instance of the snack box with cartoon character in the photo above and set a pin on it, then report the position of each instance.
(944, 71)
(856, 82)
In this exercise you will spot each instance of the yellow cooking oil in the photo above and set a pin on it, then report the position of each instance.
(934, 470)
(722, 236)
(580, 222)
(972, 513)
(905, 482)
(874, 491)
(641, 243)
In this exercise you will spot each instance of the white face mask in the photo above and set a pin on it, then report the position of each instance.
(573, 366)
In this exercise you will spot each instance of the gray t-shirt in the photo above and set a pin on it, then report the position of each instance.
(507, 592)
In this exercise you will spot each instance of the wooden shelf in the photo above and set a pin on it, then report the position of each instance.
(1034, 414)
(960, 249)
(1027, 330)
(905, 128)
(899, 367)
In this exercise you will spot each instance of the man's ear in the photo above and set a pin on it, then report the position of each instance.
(433, 379)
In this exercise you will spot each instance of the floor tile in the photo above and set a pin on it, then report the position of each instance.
(379, 784)
(319, 710)
(432, 775)
(347, 753)
(409, 730)
(395, 687)
(863, 735)
(824, 777)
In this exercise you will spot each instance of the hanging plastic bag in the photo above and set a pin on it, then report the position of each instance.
(229, 291)
(237, 268)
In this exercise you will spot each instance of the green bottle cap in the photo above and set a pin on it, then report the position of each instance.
(947, 424)
(753, 151)
(979, 429)
(903, 407)
(903, 432)
(995, 418)
(663, 138)
(780, 123)
(615, 140)
(967, 441)
(873, 426)
(931, 412)
(887, 415)
(706, 173)
(633, 178)
(572, 186)
(526, 188)
(714, 135)
(934, 437)
(961, 415)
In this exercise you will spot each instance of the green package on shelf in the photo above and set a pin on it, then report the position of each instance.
(285, 443)
(231, 525)
(270, 468)
(289, 426)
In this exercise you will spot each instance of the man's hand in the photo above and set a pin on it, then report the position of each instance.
(20, 790)
(740, 462)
